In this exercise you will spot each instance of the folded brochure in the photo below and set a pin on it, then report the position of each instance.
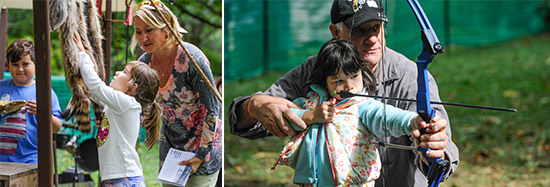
(173, 173)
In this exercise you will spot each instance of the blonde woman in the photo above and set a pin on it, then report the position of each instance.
(192, 113)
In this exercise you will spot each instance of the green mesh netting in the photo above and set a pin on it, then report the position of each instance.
(280, 34)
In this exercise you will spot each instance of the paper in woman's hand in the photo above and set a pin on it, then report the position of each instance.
(173, 173)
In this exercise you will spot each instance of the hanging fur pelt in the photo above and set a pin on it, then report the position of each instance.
(68, 17)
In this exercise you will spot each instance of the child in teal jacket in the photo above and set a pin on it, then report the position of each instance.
(337, 149)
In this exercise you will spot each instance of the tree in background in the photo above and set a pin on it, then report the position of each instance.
(201, 18)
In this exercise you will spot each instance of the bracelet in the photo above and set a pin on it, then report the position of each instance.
(249, 106)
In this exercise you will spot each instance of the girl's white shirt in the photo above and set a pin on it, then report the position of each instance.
(117, 156)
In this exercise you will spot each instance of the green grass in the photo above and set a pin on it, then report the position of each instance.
(496, 148)
(149, 162)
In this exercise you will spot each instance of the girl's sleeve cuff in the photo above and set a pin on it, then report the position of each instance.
(300, 113)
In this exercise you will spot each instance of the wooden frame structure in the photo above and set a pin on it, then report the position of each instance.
(43, 84)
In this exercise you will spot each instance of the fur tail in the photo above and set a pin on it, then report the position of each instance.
(83, 116)
(68, 113)
(78, 109)
(98, 112)
(71, 16)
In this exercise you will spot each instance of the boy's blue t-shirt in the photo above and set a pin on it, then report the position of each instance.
(26, 149)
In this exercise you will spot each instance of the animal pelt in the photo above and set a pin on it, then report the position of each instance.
(68, 17)
(8, 107)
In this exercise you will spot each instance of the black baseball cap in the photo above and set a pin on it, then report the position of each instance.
(362, 10)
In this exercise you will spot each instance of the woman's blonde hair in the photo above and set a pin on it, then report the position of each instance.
(148, 14)
(147, 82)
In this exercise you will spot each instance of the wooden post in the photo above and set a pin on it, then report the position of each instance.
(41, 12)
(3, 40)
(108, 24)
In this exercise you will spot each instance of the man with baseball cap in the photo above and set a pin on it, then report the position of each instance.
(361, 22)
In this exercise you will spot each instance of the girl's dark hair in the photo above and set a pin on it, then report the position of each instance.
(147, 82)
(339, 54)
(18, 48)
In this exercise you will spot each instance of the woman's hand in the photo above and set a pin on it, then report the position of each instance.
(193, 162)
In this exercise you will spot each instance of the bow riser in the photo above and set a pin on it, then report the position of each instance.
(437, 166)
(423, 106)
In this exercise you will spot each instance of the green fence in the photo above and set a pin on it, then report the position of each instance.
(280, 34)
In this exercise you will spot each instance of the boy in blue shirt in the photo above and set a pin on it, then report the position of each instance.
(18, 141)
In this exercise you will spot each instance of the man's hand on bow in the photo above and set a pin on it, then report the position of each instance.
(436, 138)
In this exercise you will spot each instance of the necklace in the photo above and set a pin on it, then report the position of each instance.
(163, 69)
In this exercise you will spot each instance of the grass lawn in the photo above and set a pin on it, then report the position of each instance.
(148, 158)
(496, 148)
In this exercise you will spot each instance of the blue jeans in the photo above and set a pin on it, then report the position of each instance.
(137, 181)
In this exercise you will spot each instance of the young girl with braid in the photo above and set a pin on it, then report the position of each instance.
(132, 91)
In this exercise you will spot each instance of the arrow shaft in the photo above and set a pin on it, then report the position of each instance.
(440, 103)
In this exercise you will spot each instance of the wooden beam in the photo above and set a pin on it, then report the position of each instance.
(41, 12)
(3, 40)
(108, 37)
